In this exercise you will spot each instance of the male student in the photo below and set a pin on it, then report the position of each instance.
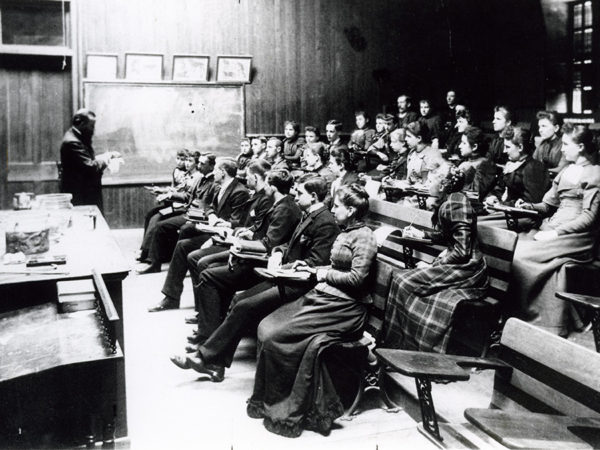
(333, 131)
(405, 115)
(311, 242)
(216, 285)
(228, 204)
(189, 249)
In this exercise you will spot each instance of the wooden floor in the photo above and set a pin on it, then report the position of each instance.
(172, 408)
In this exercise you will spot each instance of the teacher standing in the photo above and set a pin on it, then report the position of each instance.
(81, 169)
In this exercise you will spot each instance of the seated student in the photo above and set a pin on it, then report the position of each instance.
(422, 301)
(503, 117)
(179, 170)
(448, 116)
(228, 204)
(333, 131)
(216, 285)
(524, 179)
(311, 135)
(340, 165)
(177, 180)
(292, 144)
(396, 169)
(184, 193)
(379, 151)
(315, 161)
(405, 114)
(190, 250)
(568, 233)
(292, 387)
(480, 172)
(310, 243)
(422, 159)
(243, 158)
(548, 151)
(259, 147)
(433, 122)
(362, 137)
(275, 154)
(463, 120)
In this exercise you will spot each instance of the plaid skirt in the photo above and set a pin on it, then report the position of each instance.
(421, 303)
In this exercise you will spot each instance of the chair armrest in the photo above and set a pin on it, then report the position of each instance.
(584, 300)
(435, 365)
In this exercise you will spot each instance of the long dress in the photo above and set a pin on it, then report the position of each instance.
(292, 388)
(537, 264)
(422, 301)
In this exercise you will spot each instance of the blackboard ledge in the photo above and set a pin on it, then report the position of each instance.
(163, 82)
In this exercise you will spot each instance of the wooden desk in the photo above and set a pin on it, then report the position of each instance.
(55, 376)
(85, 249)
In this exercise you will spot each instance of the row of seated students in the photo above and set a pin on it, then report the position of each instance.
(567, 233)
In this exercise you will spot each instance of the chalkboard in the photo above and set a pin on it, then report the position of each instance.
(148, 122)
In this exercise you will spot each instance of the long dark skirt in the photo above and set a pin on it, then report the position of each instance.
(292, 387)
(537, 275)
(421, 303)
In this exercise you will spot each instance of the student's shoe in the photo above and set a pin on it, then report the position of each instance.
(152, 268)
(165, 304)
(191, 320)
(216, 373)
(180, 361)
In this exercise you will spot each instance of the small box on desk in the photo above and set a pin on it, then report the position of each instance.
(77, 295)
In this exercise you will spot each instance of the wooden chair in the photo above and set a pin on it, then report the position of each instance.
(546, 391)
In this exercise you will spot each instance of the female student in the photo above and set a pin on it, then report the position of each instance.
(480, 172)
(422, 159)
(568, 233)
(422, 301)
(523, 179)
(292, 388)
(292, 144)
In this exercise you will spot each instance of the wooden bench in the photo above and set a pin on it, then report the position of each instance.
(474, 321)
(546, 391)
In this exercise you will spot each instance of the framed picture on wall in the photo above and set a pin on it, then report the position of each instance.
(234, 69)
(190, 68)
(143, 66)
(101, 66)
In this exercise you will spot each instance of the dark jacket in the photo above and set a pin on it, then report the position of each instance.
(312, 239)
(232, 205)
(292, 150)
(528, 182)
(204, 192)
(81, 172)
(280, 223)
(257, 208)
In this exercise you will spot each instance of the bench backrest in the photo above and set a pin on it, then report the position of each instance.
(550, 374)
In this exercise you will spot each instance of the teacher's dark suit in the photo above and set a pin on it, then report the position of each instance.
(217, 285)
(81, 171)
(230, 206)
(311, 242)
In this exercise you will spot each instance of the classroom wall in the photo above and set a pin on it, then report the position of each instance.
(313, 60)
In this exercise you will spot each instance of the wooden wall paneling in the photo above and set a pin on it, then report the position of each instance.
(3, 136)
(126, 206)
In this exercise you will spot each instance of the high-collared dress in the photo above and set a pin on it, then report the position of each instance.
(292, 388)
(574, 198)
